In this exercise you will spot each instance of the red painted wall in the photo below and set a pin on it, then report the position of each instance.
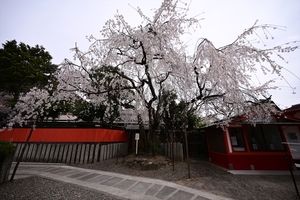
(267, 161)
(244, 160)
(65, 135)
(219, 159)
(271, 162)
(19, 134)
(240, 162)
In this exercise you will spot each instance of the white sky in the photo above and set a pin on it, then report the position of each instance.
(59, 24)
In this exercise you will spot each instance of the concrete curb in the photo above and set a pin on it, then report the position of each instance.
(262, 172)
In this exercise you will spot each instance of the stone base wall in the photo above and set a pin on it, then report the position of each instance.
(70, 152)
(5, 169)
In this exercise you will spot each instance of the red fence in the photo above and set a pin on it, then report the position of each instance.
(65, 135)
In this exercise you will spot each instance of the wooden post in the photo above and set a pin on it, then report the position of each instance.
(118, 151)
(172, 140)
(186, 143)
(187, 152)
(173, 156)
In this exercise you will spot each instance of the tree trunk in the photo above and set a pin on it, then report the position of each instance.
(143, 134)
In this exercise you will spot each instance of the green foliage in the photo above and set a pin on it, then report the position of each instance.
(194, 121)
(156, 147)
(23, 67)
(175, 114)
(88, 112)
(6, 150)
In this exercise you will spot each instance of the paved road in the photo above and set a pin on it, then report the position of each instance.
(118, 185)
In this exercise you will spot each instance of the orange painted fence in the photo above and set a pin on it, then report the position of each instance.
(65, 135)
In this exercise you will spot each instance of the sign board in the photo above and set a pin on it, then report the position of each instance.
(137, 136)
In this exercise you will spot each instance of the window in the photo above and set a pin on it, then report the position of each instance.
(273, 138)
(237, 139)
(264, 138)
(293, 136)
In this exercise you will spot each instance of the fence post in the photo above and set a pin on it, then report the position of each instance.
(86, 155)
(97, 153)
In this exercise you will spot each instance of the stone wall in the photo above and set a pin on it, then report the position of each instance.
(70, 152)
(5, 169)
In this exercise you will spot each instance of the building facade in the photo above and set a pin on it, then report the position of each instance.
(243, 146)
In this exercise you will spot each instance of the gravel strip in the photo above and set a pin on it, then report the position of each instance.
(40, 188)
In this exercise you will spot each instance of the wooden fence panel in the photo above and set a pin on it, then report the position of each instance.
(70, 153)
(166, 150)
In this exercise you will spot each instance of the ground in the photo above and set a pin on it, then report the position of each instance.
(204, 176)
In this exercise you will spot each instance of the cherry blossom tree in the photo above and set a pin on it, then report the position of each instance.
(151, 58)
(223, 78)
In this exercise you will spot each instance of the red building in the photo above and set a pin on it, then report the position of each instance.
(242, 146)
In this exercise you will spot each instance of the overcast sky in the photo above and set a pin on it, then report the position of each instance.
(59, 24)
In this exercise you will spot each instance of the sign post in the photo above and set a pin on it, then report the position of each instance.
(137, 137)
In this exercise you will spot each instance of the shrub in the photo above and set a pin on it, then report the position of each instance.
(6, 149)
